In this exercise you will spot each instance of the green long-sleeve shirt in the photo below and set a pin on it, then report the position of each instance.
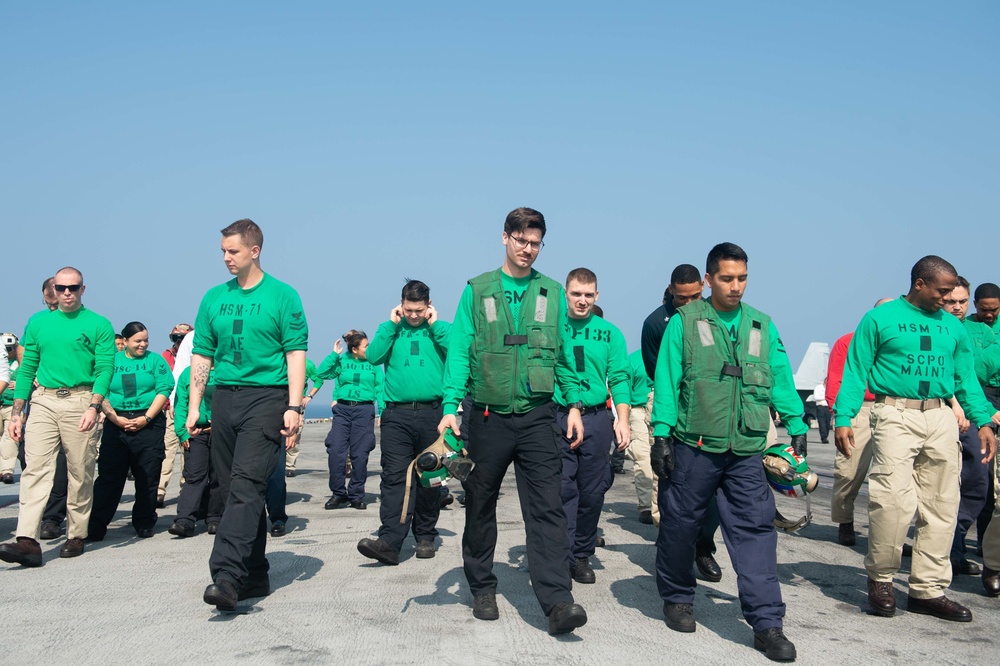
(65, 349)
(357, 379)
(901, 350)
(311, 376)
(980, 335)
(247, 332)
(670, 374)
(183, 398)
(137, 381)
(640, 385)
(600, 358)
(413, 358)
(457, 368)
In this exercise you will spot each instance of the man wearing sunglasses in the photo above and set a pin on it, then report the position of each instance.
(507, 350)
(71, 353)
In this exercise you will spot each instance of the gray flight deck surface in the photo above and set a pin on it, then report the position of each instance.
(138, 601)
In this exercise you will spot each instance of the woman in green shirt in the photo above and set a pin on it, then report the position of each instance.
(358, 394)
(133, 434)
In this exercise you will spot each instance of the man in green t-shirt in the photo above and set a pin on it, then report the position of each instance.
(721, 366)
(253, 331)
(601, 362)
(70, 352)
(507, 350)
(913, 357)
(412, 346)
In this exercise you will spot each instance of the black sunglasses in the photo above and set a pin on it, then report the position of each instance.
(60, 288)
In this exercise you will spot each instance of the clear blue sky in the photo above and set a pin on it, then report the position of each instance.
(836, 142)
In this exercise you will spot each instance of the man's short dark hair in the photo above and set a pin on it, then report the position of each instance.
(48, 285)
(987, 290)
(928, 269)
(247, 230)
(521, 219)
(962, 282)
(67, 268)
(415, 290)
(583, 276)
(685, 274)
(724, 252)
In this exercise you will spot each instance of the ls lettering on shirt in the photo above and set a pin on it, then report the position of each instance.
(247, 332)
(66, 349)
(357, 379)
(137, 381)
(600, 358)
(413, 358)
(903, 351)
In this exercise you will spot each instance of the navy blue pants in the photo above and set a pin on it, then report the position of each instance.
(746, 512)
(975, 485)
(276, 493)
(586, 477)
(530, 441)
(352, 434)
(246, 440)
(405, 433)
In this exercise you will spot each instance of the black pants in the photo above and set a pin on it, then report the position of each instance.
(405, 433)
(143, 453)
(531, 442)
(823, 415)
(246, 437)
(200, 495)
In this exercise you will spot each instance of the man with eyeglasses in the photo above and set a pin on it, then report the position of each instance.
(974, 477)
(71, 353)
(508, 349)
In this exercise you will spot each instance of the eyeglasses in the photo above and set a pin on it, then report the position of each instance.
(521, 243)
(73, 288)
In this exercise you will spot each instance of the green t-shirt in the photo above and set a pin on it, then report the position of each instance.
(901, 350)
(184, 397)
(598, 350)
(640, 383)
(357, 379)
(413, 358)
(311, 376)
(137, 381)
(66, 349)
(246, 332)
(513, 289)
(7, 398)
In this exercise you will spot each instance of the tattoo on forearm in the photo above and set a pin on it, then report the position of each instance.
(199, 377)
(18, 406)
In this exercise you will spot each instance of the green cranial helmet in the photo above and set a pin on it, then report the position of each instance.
(787, 472)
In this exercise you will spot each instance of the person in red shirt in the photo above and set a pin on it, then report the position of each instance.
(849, 473)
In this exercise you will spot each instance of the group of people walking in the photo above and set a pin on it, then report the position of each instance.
(545, 384)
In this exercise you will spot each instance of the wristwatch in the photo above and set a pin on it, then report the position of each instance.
(295, 408)
(96, 406)
(576, 405)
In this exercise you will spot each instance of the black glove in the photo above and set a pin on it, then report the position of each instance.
(799, 445)
(661, 456)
